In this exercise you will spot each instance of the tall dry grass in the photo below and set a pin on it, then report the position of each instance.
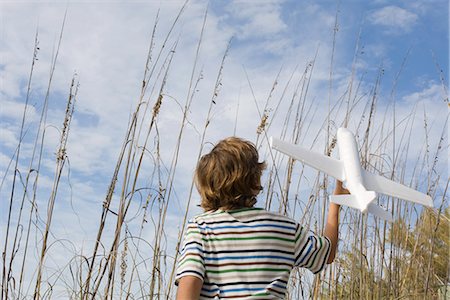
(376, 260)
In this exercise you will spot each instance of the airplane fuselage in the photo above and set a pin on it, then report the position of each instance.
(354, 182)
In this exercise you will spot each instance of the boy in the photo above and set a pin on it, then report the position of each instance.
(235, 250)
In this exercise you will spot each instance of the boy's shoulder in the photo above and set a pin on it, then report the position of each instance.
(243, 214)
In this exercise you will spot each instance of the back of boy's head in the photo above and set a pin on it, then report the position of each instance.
(229, 177)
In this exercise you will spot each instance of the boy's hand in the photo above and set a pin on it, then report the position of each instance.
(340, 190)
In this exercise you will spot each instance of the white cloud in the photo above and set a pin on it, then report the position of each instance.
(432, 93)
(8, 137)
(375, 50)
(14, 110)
(258, 19)
(395, 19)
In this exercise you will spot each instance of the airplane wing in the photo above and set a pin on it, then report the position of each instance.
(318, 161)
(385, 186)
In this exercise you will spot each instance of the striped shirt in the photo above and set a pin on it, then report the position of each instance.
(248, 253)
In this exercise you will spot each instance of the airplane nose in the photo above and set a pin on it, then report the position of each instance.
(343, 132)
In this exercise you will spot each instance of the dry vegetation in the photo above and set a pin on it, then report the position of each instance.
(376, 260)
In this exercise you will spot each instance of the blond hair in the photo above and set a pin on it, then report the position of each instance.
(229, 177)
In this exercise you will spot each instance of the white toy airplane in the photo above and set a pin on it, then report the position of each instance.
(359, 182)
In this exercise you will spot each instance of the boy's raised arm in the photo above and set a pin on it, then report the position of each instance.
(332, 226)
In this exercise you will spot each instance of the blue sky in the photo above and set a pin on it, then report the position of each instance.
(106, 42)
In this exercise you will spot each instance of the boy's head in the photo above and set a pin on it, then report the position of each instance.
(229, 177)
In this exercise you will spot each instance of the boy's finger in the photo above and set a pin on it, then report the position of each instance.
(340, 189)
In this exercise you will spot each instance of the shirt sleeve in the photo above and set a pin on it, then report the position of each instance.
(190, 261)
(311, 251)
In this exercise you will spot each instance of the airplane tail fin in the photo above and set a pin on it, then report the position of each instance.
(350, 200)
(369, 196)
(347, 200)
(361, 203)
(379, 212)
